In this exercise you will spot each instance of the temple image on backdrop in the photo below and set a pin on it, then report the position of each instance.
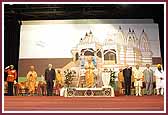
(93, 60)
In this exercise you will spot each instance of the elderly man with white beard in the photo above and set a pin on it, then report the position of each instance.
(159, 74)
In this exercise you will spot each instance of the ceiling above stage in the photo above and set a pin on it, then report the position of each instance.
(82, 11)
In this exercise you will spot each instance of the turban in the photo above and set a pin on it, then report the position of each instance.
(158, 65)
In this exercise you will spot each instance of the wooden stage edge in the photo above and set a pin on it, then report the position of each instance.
(56, 103)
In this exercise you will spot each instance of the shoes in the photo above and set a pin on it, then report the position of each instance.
(138, 95)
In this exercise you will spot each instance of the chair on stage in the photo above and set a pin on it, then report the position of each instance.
(22, 88)
(5, 88)
(144, 88)
(15, 89)
(154, 88)
(56, 89)
(132, 88)
(41, 88)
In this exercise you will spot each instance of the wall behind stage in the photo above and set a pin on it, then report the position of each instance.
(40, 65)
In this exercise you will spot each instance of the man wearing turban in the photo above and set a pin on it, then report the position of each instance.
(159, 74)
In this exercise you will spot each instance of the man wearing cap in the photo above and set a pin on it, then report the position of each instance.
(159, 74)
(11, 77)
(148, 78)
(50, 77)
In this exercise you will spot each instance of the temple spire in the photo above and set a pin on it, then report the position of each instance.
(86, 34)
(90, 32)
(119, 27)
(132, 30)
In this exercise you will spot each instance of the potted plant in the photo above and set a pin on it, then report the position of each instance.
(112, 78)
(69, 74)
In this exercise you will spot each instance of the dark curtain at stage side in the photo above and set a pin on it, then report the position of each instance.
(11, 42)
(161, 35)
(160, 20)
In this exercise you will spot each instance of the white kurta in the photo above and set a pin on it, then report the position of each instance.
(159, 82)
(138, 75)
(106, 78)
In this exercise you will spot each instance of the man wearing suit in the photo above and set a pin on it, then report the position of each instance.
(49, 77)
(127, 73)
(148, 77)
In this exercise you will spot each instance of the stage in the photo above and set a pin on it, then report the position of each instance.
(56, 103)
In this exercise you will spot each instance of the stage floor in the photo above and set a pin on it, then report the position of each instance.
(56, 103)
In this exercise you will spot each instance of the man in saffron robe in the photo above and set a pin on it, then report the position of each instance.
(31, 78)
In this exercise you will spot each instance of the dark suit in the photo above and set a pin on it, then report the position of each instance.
(49, 77)
(127, 73)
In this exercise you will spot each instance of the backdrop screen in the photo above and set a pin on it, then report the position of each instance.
(55, 39)
(51, 41)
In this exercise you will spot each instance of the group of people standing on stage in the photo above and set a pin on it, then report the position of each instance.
(148, 76)
(51, 78)
(125, 76)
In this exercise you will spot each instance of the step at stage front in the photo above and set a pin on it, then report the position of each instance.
(90, 92)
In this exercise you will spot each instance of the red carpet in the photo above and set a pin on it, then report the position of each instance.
(55, 103)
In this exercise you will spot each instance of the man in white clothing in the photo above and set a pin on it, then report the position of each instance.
(138, 76)
(159, 74)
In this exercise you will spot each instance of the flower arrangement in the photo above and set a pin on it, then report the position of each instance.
(69, 74)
